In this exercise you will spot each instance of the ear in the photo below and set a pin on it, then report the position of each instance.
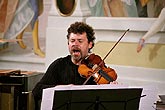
(90, 45)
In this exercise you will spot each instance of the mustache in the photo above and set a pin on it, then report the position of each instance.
(76, 49)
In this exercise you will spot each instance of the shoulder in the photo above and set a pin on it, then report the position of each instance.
(62, 60)
(59, 63)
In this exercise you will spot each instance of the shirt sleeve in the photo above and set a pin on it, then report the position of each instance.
(48, 80)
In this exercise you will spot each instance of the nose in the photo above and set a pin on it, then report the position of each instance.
(76, 42)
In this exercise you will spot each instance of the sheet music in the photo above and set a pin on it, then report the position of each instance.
(83, 87)
(146, 103)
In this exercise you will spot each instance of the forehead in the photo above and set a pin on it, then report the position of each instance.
(78, 36)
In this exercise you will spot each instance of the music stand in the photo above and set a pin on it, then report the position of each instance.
(97, 99)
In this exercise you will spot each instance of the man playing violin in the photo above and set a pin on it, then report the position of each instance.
(64, 71)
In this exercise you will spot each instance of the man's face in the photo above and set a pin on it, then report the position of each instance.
(78, 46)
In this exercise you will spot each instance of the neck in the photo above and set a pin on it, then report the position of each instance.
(76, 62)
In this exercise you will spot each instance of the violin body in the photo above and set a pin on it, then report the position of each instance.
(94, 66)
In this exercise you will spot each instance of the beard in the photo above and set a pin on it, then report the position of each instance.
(76, 58)
(76, 54)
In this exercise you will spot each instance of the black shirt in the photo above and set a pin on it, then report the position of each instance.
(61, 72)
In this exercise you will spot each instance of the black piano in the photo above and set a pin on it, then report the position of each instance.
(19, 85)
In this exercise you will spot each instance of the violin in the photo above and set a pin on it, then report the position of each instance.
(94, 66)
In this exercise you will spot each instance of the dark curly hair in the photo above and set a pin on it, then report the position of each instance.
(81, 27)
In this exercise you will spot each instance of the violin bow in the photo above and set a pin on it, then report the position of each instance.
(114, 46)
(107, 54)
